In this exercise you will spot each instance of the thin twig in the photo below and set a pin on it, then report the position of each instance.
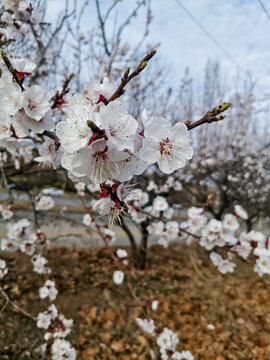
(33, 204)
(102, 26)
(12, 303)
(99, 231)
(128, 20)
(53, 136)
(44, 48)
(127, 77)
(4, 306)
(10, 195)
(189, 233)
(210, 116)
(64, 91)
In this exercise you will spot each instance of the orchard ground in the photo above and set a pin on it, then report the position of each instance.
(192, 294)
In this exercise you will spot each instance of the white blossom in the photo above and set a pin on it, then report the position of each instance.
(48, 290)
(3, 269)
(160, 204)
(168, 146)
(43, 320)
(18, 229)
(80, 187)
(6, 212)
(23, 65)
(74, 132)
(154, 305)
(241, 212)
(10, 98)
(118, 277)
(230, 222)
(49, 155)
(22, 123)
(224, 266)
(194, 212)
(44, 203)
(146, 325)
(167, 340)
(184, 355)
(62, 350)
(94, 162)
(214, 225)
(121, 253)
(172, 230)
(87, 219)
(40, 265)
(36, 102)
(156, 228)
(119, 126)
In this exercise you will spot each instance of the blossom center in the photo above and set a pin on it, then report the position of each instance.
(165, 147)
(101, 155)
(31, 104)
(51, 148)
(112, 131)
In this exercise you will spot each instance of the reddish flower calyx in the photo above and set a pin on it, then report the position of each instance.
(101, 98)
(21, 74)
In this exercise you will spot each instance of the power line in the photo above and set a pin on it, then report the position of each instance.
(206, 32)
(264, 9)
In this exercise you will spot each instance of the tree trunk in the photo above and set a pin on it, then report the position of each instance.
(139, 256)
(132, 241)
(142, 254)
(249, 224)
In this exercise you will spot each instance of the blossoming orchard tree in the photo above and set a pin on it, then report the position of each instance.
(91, 136)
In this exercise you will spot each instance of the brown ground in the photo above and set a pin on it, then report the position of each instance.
(191, 294)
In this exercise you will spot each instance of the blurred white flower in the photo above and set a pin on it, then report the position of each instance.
(118, 277)
(241, 212)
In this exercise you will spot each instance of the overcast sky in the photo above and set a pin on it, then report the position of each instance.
(240, 27)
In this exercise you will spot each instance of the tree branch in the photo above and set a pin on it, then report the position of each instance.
(57, 97)
(11, 69)
(17, 307)
(143, 245)
(53, 136)
(127, 21)
(126, 77)
(130, 237)
(210, 116)
(102, 26)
